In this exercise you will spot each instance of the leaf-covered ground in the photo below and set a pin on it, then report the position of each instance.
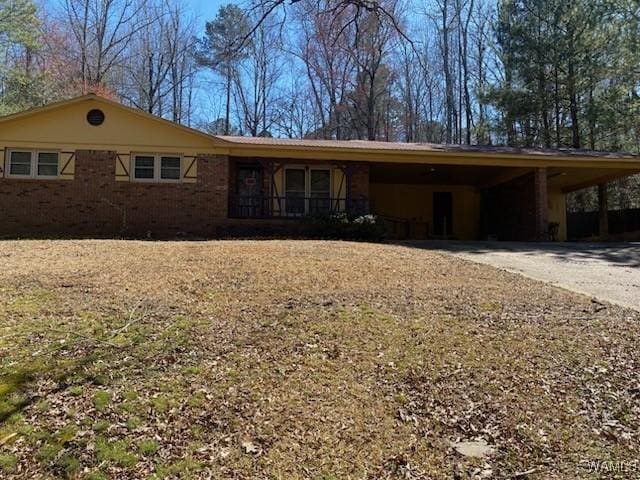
(294, 359)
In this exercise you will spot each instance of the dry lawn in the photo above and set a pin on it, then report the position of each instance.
(293, 359)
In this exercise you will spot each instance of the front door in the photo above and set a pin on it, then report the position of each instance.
(442, 213)
(249, 191)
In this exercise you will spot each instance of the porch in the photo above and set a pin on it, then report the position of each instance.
(262, 188)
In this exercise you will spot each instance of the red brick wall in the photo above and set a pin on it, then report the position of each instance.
(359, 185)
(541, 204)
(93, 203)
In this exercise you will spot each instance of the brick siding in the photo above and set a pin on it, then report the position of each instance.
(93, 203)
(359, 183)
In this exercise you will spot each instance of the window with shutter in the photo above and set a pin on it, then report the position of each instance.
(33, 164)
(156, 168)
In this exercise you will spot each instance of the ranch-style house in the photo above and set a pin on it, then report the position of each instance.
(93, 167)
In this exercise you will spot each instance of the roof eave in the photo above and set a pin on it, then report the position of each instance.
(416, 156)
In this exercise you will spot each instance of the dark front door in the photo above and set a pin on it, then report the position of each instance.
(442, 213)
(249, 201)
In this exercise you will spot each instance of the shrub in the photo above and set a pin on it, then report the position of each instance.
(341, 226)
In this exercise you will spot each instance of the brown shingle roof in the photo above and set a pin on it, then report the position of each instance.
(421, 147)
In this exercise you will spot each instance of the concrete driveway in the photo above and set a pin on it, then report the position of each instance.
(605, 271)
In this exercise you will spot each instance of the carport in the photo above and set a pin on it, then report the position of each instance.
(471, 202)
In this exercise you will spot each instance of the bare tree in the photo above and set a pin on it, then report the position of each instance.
(294, 112)
(445, 18)
(256, 80)
(103, 30)
(372, 79)
(160, 62)
(324, 49)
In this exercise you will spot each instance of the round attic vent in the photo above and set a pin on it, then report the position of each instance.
(95, 117)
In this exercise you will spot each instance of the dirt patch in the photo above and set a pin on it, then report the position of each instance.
(294, 359)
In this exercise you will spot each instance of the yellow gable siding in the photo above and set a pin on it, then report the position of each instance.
(123, 130)
(65, 129)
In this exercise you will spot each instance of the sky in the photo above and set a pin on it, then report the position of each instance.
(205, 10)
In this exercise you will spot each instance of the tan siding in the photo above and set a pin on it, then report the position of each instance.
(558, 212)
(415, 202)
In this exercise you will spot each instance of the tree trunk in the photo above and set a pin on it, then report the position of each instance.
(227, 112)
(447, 73)
(573, 107)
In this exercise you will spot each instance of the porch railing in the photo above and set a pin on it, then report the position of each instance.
(291, 206)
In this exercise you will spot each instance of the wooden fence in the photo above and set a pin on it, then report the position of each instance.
(587, 224)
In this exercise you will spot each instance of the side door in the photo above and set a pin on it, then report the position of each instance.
(442, 213)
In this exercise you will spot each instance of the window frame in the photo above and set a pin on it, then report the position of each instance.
(307, 183)
(321, 169)
(157, 167)
(33, 164)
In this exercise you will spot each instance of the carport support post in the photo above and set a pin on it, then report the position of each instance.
(541, 210)
(603, 211)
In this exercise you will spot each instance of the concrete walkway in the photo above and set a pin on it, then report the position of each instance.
(605, 271)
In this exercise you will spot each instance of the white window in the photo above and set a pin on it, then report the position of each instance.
(32, 164)
(307, 190)
(156, 168)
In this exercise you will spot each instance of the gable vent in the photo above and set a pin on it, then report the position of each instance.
(95, 117)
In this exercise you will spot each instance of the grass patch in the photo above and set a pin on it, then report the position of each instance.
(148, 447)
(115, 452)
(69, 465)
(8, 463)
(48, 453)
(309, 360)
(101, 400)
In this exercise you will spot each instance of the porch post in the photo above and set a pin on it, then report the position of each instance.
(603, 211)
(348, 173)
(358, 187)
(541, 209)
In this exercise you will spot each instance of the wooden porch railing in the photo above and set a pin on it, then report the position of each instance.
(404, 228)
(290, 206)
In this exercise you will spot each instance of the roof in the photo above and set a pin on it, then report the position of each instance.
(423, 147)
(370, 151)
